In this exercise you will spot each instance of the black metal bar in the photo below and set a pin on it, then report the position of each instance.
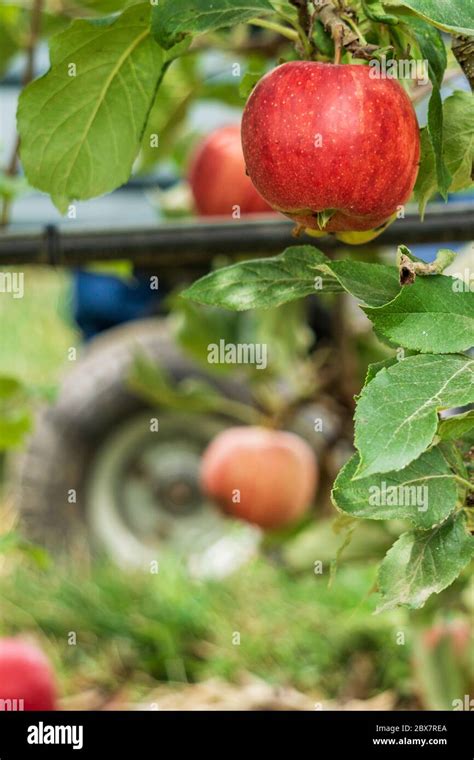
(194, 244)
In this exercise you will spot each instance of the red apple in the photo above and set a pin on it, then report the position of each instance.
(218, 179)
(321, 137)
(266, 477)
(25, 676)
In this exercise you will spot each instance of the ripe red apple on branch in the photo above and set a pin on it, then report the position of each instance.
(218, 179)
(26, 677)
(331, 142)
(267, 477)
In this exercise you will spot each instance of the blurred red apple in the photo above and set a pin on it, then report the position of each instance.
(319, 137)
(266, 477)
(25, 676)
(218, 179)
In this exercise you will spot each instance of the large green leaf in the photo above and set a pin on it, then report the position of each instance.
(431, 316)
(396, 415)
(263, 283)
(449, 15)
(425, 492)
(458, 149)
(422, 563)
(374, 284)
(80, 134)
(172, 21)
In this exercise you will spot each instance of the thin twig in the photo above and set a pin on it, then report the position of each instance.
(285, 31)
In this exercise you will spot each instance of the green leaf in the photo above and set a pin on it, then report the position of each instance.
(9, 387)
(172, 21)
(374, 369)
(435, 131)
(396, 415)
(425, 492)
(248, 82)
(422, 563)
(152, 383)
(15, 415)
(10, 542)
(373, 284)
(286, 332)
(433, 315)
(80, 133)
(263, 283)
(176, 93)
(458, 149)
(12, 187)
(449, 15)
(322, 39)
(433, 51)
(454, 428)
(192, 394)
(12, 26)
(374, 10)
(430, 43)
(196, 327)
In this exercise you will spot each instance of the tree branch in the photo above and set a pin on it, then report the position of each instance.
(342, 33)
(463, 49)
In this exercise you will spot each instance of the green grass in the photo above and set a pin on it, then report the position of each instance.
(37, 330)
(131, 627)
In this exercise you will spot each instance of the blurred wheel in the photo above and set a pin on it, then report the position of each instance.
(94, 472)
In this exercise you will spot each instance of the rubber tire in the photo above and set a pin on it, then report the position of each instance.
(93, 400)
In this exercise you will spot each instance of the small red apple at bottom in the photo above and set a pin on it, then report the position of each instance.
(25, 676)
(218, 179)
(266, 477)
(319, 137)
